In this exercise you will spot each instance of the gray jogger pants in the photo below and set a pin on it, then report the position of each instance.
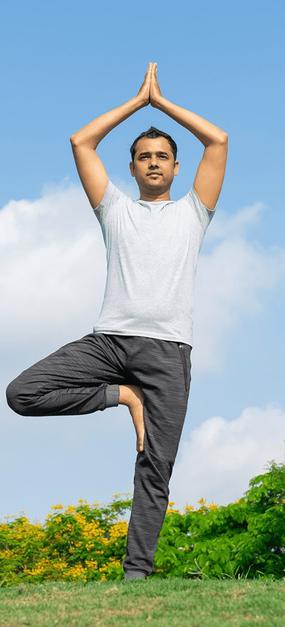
(83, 376)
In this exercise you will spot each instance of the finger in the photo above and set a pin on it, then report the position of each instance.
(148, 69)
(147, 74)
(150, 72)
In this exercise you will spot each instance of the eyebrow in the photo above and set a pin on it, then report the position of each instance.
(158, 152)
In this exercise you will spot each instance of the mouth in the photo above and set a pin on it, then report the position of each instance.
(154, 174)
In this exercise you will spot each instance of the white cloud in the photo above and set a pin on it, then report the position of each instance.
(226, 225)
(234, 280)
(53, 267)
(220, 456)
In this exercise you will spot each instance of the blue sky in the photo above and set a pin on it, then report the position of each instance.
(62, 64)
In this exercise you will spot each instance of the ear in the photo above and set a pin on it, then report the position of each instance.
(176, 168)
(131, 166)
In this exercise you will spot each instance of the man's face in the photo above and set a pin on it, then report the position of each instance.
(154, 167)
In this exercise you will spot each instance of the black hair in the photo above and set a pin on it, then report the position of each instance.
(154, 132)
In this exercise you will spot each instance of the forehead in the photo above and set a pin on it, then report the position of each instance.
(153, 144)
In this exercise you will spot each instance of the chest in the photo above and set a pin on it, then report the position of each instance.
(163, 229)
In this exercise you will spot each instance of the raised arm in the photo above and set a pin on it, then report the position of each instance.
(84, 142)
(211, 169)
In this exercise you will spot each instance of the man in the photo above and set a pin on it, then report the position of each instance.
(139, 353)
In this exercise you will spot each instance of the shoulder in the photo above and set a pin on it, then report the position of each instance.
(202, 213)
(111, 194)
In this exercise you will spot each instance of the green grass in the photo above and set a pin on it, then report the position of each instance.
(172, 601)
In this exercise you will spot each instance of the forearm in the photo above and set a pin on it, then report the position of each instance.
(205, 131)
(92, 133)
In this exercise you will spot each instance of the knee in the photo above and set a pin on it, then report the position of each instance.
(13, 398)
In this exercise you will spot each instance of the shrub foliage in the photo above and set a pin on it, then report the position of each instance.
(85, 542)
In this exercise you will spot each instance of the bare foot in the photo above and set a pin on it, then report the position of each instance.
(132, 396)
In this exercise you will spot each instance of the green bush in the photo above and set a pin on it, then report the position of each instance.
(87, 542)
(242, 539)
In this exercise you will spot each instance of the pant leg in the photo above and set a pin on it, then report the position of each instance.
(163, 370)
(80, 377)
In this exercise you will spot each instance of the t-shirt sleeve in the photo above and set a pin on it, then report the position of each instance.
(111, 195)
(203, 213)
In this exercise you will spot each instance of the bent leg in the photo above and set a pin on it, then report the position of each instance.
(80, 377)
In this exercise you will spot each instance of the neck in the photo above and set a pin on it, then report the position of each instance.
(152, 198)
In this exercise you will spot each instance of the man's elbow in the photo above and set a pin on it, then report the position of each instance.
(73, 139)
(220, 140)
(224, 138)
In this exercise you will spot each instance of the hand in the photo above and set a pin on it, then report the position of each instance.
(155, 93)
(143, 93)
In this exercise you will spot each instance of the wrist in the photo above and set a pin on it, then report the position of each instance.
(140, 101)
(132, 105)
(158, 102)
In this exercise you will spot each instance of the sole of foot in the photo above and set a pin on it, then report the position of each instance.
(132, 396)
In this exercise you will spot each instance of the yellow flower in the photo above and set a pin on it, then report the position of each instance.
(91, 564)
(75, 572)
(92, 529)
(118, 530)
(189, 508)
(57, 506)
(70, 509)
(80, 518)
(170, 509)
(6, 553)
(39, 568)
(60, 565)
(115, 562)
(34, 571)
(103, 568)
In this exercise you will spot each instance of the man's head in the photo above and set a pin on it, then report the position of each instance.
(154, 151)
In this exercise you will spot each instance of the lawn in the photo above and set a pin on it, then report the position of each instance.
(171, 601)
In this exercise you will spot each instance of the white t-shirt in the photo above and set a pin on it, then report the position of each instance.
(152, 250)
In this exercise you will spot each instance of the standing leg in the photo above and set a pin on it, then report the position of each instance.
(80, 377)
(163, 370)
